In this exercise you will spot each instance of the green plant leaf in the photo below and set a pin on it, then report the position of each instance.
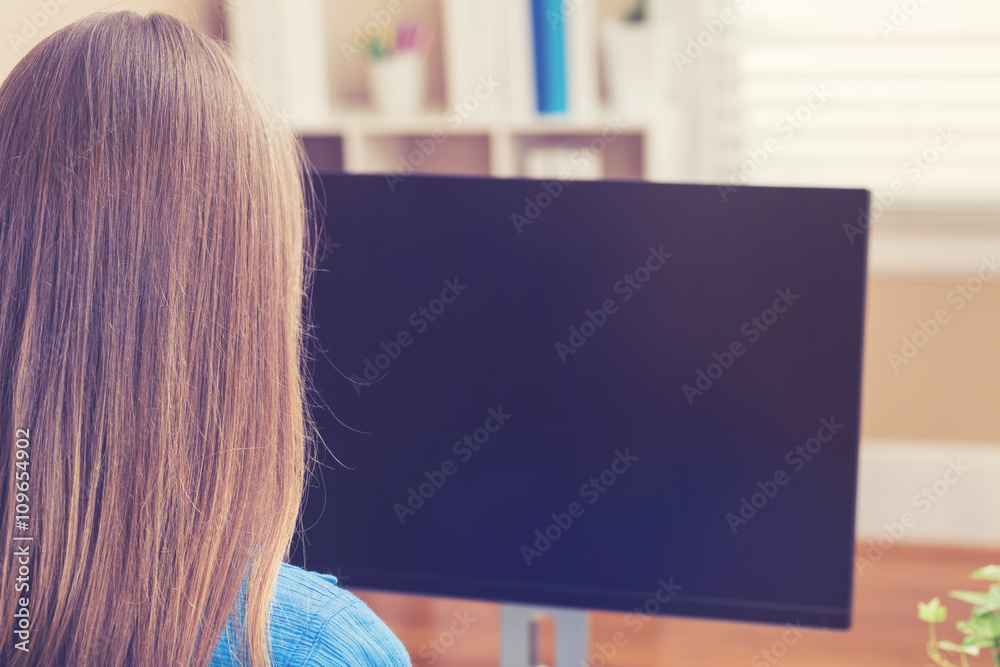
(972, 597)
(990, 572)
(979, 627)
(987, 624)
(978, 642)
(952, 646)
(989, 604)
(993, 598)
(931, 612)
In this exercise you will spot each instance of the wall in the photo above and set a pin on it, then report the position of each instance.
(24, 22)
(948, 391)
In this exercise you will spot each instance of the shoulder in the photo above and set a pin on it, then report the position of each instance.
(315, 622)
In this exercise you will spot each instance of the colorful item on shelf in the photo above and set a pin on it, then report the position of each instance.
(548, 26)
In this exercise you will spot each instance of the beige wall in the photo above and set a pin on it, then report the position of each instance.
(949, 391)
(18, 18)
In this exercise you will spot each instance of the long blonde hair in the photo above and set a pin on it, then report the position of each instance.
(155, 255)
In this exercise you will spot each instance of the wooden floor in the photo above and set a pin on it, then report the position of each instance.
(886, 631)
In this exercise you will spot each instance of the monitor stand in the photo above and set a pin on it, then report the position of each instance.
(521, 628)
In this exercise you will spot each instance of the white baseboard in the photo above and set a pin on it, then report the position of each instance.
(961, 507)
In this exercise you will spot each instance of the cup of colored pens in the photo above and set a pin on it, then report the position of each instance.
(396, 71)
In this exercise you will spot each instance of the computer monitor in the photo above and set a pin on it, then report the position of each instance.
(590, 394)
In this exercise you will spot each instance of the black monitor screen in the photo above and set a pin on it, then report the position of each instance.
(589, 394)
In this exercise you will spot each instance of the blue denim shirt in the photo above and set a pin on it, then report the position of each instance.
(315, 622)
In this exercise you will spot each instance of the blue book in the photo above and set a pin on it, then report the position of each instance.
(548, 26)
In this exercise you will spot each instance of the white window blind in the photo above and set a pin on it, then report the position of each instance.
(900, 97)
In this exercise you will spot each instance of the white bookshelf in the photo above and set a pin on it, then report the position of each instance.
(341, 132)
(363, 142)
